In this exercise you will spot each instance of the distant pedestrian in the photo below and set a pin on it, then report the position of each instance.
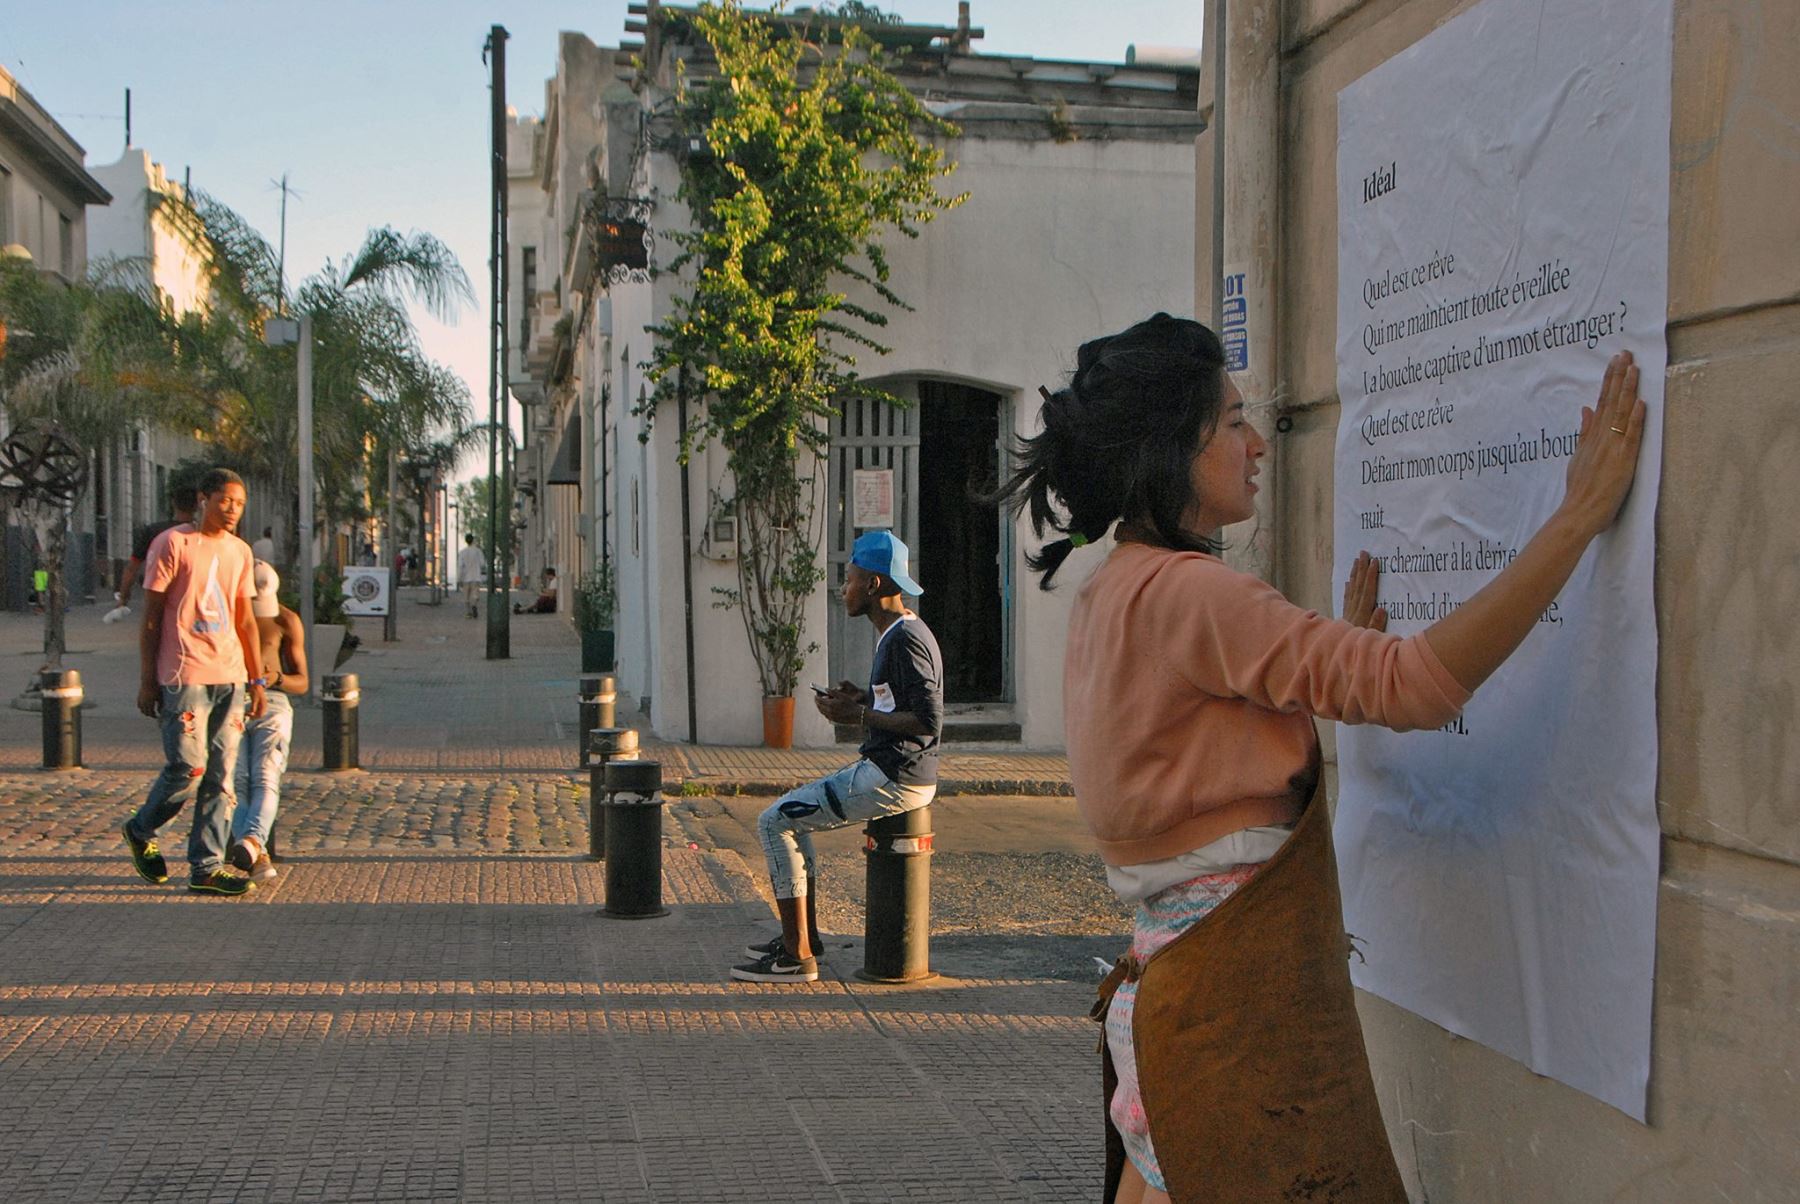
(181, 505)
(367, 557)
(263, 755)
(264, 548)
(545, 604)
(902, 714)
(470, 567)
(197, 648)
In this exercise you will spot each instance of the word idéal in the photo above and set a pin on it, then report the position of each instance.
(1380, 181)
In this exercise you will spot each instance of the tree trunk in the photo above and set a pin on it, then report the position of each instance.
(50, 523)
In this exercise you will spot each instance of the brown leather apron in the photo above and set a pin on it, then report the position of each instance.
(1250, 1055)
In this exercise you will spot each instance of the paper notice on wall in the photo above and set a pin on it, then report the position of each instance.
(872, 497)
(1503, 230)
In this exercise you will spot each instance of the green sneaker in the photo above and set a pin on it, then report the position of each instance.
(146, 858)
(218, 882)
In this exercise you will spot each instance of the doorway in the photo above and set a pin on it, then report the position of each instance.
(925, 460)
(959, 555)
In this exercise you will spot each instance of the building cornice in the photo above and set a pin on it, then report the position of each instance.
(42, 150)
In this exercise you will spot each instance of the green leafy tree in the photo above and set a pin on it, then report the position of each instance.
(814, 152)
(862, 14)
(472, 506)
(88, 361)
(374, 390)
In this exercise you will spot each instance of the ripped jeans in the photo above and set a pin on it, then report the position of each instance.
(201, 727)
(853, 795)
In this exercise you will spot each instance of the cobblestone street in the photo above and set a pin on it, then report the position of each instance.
(427, 1006)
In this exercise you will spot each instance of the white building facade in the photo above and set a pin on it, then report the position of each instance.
(148, 231)
(1079, 222)
(45, 191)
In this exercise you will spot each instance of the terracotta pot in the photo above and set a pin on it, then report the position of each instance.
(778, 722)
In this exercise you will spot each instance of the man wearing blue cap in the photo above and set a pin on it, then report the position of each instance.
(902, 715)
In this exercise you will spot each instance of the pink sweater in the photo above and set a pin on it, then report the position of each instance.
(1189, 692)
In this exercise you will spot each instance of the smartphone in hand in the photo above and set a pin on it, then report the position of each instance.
(821, 691)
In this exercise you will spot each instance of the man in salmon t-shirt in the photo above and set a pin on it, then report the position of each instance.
(198, 647)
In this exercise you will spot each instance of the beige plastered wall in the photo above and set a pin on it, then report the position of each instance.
(1724, 1118)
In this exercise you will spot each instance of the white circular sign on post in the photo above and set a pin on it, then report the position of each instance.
(365, 591)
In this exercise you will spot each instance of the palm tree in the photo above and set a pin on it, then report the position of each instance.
(375, 391)
(428, 467)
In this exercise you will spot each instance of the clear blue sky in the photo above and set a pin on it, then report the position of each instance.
(378, 111)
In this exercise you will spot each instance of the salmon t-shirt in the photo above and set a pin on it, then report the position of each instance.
(201, 579)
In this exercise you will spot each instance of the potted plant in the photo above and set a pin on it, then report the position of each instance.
(596, 604)
(766, 336)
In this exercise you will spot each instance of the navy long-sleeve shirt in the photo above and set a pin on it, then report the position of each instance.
(908, 675)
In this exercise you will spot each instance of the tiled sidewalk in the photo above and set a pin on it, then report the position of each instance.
(426, 1005)
(460, 1026)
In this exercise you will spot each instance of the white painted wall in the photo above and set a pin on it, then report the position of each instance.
(135, 226)
(1058, 243)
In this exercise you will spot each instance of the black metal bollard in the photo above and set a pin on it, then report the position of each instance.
(589, 719)
(342, 700)
(60, 690)
(604, 744)
(634, 840)
(897, 930)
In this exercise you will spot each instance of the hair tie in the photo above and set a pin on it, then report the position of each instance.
(1077, 539)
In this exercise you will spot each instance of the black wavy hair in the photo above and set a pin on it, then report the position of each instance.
(216, 479)
(1118, 440)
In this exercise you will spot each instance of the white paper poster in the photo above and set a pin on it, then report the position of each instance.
(872, 495)
(1503, 230)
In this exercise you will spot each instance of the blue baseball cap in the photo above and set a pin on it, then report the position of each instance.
(882, 552)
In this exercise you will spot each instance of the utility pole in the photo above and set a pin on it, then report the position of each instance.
(390, 625)
(499, 631)
(278, 332)
(305, 532)
(281, 251)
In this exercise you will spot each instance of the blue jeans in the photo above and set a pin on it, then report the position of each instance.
(201, 726)
(854, 794)
(261, 761)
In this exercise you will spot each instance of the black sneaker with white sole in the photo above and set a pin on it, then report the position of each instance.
(773, 945)
(763, 949)
(778, 967)
(241, 856)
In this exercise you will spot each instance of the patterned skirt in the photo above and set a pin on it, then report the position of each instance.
(1160, 919)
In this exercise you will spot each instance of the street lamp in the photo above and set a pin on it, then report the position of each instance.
(279, 332)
